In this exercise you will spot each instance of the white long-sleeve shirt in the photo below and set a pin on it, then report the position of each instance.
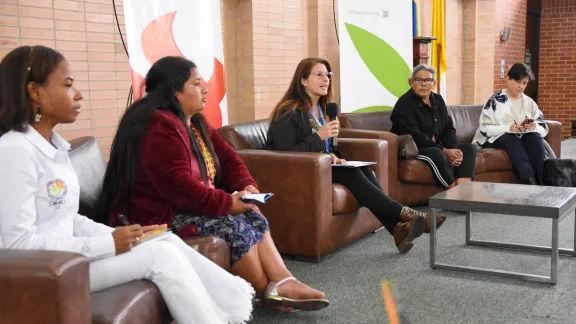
(39, 199)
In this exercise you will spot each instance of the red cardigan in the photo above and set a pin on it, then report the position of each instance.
(168, 178)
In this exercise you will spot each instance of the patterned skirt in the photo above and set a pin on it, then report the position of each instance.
(241, 232)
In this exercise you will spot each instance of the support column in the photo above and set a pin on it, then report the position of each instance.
(237, 29)
(479, 49)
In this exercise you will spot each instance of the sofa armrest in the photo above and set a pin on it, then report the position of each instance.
(212, 247)
(44, 287)
(554, 137)
(356, 149)
(302, 202)
(392, 140)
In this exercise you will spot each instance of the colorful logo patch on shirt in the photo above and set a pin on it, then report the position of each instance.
(57, 190)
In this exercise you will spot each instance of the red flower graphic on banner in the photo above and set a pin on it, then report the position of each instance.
(158, 42)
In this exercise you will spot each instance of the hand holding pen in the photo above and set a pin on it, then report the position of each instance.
(515, 128)
(127, 236)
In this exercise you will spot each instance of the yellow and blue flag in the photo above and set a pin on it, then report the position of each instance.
(438, 52)
(415, 18)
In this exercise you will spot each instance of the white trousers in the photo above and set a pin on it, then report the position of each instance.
(195, 289)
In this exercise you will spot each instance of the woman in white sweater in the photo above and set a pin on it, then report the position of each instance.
(40, 197)
(512, 121)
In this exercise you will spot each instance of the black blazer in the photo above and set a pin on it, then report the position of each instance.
(412, 116)
(292, 132)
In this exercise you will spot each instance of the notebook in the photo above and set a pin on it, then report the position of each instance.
(259, 198)
(154, 236)
(521, 133)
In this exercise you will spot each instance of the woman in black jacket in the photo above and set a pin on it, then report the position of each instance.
(298, 123)
(423, 114)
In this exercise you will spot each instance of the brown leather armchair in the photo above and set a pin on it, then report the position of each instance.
(52, 287)
(309, 216)
(410, 181)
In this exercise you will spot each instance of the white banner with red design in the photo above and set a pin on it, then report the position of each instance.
(186, 28)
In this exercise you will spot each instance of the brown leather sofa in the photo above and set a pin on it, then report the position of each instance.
(309, 216)
(52, 287)
(411, 181)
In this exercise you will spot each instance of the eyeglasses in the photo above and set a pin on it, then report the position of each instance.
(320, 75)
(428, 81)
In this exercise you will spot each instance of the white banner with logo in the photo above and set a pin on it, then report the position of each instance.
(375, 53)
(186, 28)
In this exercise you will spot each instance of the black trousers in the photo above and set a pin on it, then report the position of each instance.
(526, 153)
(369, 193)
(444, 173)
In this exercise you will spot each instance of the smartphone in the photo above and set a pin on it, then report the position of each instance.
(527, 121)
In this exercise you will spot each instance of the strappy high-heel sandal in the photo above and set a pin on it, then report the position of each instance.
(271, 297)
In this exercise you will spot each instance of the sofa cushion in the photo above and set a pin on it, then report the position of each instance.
(495, 160)
(212, 247)
(138, 301)
(250, 135)
(90, 166)
(342, 200)
(416, 171)
(378, 120)
(465, 119)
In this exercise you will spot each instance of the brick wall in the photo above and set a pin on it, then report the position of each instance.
(263, 42)
(280, 33)
(85, 33)
(237, 36)
(510, 13)
(283, 33)
(479, 29)
(556, 87)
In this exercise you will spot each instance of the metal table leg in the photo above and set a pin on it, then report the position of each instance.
(526, 247)
(433, 213)
(468, 227)
(554, 261)
(574, 237)
(554, 251)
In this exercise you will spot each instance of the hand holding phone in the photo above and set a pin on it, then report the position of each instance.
(527, 121)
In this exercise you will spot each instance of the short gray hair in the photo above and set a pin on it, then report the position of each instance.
(424, 67)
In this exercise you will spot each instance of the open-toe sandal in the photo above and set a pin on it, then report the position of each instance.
(271, 297)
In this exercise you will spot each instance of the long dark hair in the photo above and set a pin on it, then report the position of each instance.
(166, 77)
(19, 67)
(296, 97)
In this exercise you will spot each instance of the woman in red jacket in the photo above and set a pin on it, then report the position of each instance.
(168, 166)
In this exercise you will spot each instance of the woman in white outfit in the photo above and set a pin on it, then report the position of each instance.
(513, 122)
(40, 199)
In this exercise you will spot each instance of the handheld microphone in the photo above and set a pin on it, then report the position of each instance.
(332, 112)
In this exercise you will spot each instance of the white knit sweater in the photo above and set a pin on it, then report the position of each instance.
(497, 117)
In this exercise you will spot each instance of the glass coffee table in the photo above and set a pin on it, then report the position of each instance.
(553, 203)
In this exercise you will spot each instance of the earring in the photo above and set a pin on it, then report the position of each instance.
(38, 115)
(306, 90)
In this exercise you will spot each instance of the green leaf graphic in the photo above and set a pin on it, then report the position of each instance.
(382, 60)
(373, 108)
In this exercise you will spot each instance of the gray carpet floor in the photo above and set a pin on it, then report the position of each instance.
(351, 277)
